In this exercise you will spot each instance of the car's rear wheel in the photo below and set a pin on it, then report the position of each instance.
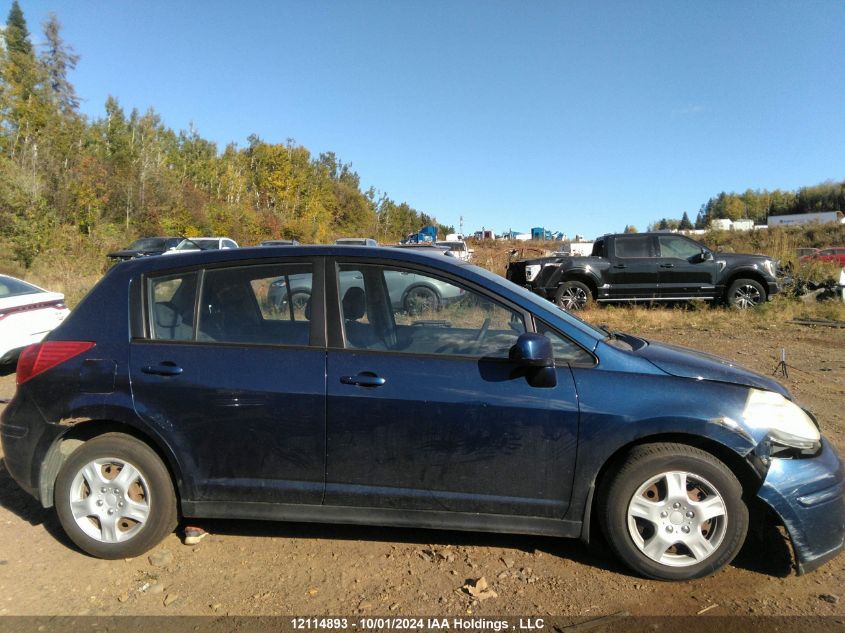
(114, 497)
(573, 295)
(746, 293)
(674, 512)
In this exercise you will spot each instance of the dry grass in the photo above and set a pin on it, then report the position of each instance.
(701, 315)
(72, 266)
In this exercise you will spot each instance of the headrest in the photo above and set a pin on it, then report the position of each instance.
(166, 315)
(354, 304)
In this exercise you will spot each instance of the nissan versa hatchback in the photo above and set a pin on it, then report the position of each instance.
(180, 388)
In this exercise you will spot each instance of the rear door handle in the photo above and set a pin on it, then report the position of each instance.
(667, 265)
(366, 379)
(166, 368)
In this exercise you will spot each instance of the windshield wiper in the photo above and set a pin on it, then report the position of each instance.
(197, 244)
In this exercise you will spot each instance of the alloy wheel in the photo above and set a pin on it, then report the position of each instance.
(573, 298)
(747, 296)
(677, 518)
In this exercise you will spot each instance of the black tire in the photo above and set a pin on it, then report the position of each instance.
(420, 299)
(152, 489)
(629, 492)
(745, 293)
(573, 296)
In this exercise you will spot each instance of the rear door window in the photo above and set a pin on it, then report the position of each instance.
(633, 246)
(263, 305)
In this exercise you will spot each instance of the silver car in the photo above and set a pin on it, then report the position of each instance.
(410, 293)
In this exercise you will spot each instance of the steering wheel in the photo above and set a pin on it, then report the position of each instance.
(482, 334)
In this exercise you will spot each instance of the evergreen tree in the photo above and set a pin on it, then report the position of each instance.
(685, 224)
(58, 60)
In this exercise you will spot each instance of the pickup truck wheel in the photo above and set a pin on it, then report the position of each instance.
(746, 293)
(674, 512)
(573, 295)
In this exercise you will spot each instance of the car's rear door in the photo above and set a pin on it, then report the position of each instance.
(633, 267)
(232, 373)
(425, 412)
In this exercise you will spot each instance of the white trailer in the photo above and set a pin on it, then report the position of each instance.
(796, 219)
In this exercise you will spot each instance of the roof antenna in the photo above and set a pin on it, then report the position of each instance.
(781, 366)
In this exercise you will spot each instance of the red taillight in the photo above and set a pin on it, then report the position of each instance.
(38, 358)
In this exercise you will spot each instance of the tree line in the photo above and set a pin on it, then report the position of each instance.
(128, 174)
(759, 204)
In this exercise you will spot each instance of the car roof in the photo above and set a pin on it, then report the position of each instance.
(257, 253)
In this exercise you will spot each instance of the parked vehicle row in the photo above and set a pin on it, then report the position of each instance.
(833, 254)
(149, 246)
(649, 267)
(133, 412)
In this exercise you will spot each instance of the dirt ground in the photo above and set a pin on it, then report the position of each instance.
(251, 568)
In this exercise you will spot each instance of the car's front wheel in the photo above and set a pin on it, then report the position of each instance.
(746, 293)
(114, 497)
(674, 512)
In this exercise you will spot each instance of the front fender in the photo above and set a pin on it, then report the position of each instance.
(618, 409)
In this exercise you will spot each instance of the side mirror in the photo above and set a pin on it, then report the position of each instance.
(534, 355)
(703, 256)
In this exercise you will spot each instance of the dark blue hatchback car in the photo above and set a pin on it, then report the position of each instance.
(179, 388)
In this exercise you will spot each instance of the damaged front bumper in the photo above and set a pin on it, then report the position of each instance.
(809, 496)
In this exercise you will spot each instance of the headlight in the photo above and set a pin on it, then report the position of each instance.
(786, 422)
(770, 267)
(531, 271)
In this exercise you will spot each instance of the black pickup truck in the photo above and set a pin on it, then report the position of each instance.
(649, 267)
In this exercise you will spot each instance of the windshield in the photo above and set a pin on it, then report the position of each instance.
(195, 244)
(11, 287)
(538, 301)
(148, 244)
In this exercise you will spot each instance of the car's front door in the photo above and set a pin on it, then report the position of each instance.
(425, 412)
(682, 270)
(234, 378)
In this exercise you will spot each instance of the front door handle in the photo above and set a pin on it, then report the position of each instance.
(365, 379)
(667, 265)
(619, 266)
(167, 368)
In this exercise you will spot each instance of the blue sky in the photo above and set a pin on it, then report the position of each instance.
(581, 117)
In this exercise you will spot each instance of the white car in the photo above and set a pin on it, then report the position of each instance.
(841, 286)
(458, 248)
(202, 244)
(27, 314)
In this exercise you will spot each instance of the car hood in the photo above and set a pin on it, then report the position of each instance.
(686, 363)
(132, 253)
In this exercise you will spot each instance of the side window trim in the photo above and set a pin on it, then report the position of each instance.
(197, 302)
